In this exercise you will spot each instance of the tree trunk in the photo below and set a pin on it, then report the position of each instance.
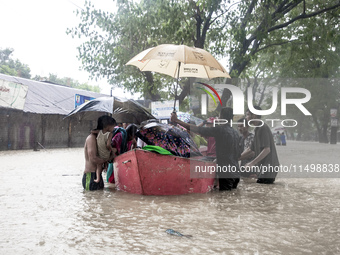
(151, 92)
(324, 138)
(225, 97)
(185, 91)
(325, 121)
(300, 128)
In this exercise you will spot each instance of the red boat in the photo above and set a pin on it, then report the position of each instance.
(148, 173)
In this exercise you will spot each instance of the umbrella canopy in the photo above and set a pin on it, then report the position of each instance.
(179, 61)
(122, 109)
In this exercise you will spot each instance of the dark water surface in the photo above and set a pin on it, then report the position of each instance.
(44, 210)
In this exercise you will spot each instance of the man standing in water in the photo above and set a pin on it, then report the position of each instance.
(92, 159)
(227, 147)
(246, 140)
(264, 147)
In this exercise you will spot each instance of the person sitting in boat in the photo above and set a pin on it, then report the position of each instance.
(123, 140)
(227, 147)
(119, 140)
(92, 160)
(131, 131)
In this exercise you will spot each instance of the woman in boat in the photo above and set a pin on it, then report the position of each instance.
(131, 131)
(123, 140)
(119, 142)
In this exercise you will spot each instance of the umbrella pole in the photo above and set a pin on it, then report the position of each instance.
(179, 67)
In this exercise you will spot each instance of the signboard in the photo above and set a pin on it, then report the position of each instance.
(334, 122)
(163, 109)
(80, 99)
(12, 95)
(334, 113)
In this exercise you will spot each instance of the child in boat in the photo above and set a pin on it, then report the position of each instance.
(104, 136)
(131, 131)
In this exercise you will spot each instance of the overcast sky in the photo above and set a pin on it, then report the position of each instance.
(36, 30)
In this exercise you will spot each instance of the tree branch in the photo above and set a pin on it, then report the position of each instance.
(218, 16)
(275, 44)
(283, 7)
(206, 26)
(284, 10)
(248, 13)
(302, 16)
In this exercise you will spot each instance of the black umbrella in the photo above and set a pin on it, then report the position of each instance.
(122, 109)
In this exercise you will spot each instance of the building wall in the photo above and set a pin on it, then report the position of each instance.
(22, 131)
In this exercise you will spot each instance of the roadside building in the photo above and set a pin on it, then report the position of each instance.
(32, 115)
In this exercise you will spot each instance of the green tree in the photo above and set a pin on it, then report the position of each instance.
(238, 30)
(66, 81)
(114, 38)
(313, 54)
(11, 66)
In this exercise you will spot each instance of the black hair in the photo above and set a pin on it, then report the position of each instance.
(227, 113)
(131, 130)
(104, 121)
(256, 107)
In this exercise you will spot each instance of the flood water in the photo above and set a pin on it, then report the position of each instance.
(44, 210)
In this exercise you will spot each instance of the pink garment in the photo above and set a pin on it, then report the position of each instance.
(211, 147)
(117, 142)
(129, 144)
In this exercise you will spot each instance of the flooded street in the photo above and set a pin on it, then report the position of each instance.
(45, 211)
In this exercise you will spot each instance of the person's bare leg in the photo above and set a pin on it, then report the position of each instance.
(98, 173)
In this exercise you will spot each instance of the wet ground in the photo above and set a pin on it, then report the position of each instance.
(45, 211)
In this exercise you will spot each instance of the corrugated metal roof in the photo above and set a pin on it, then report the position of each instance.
(46, 98)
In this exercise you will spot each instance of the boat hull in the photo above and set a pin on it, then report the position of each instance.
(148, 173)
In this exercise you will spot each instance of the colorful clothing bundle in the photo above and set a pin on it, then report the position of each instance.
(171, 138)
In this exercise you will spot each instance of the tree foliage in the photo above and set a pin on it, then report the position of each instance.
(237, 30)
(11, 66)
(312, 56)
(66, 81)
(114, 38)
(14, 67)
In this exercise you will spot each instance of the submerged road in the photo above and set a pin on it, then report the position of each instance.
(45, 211)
